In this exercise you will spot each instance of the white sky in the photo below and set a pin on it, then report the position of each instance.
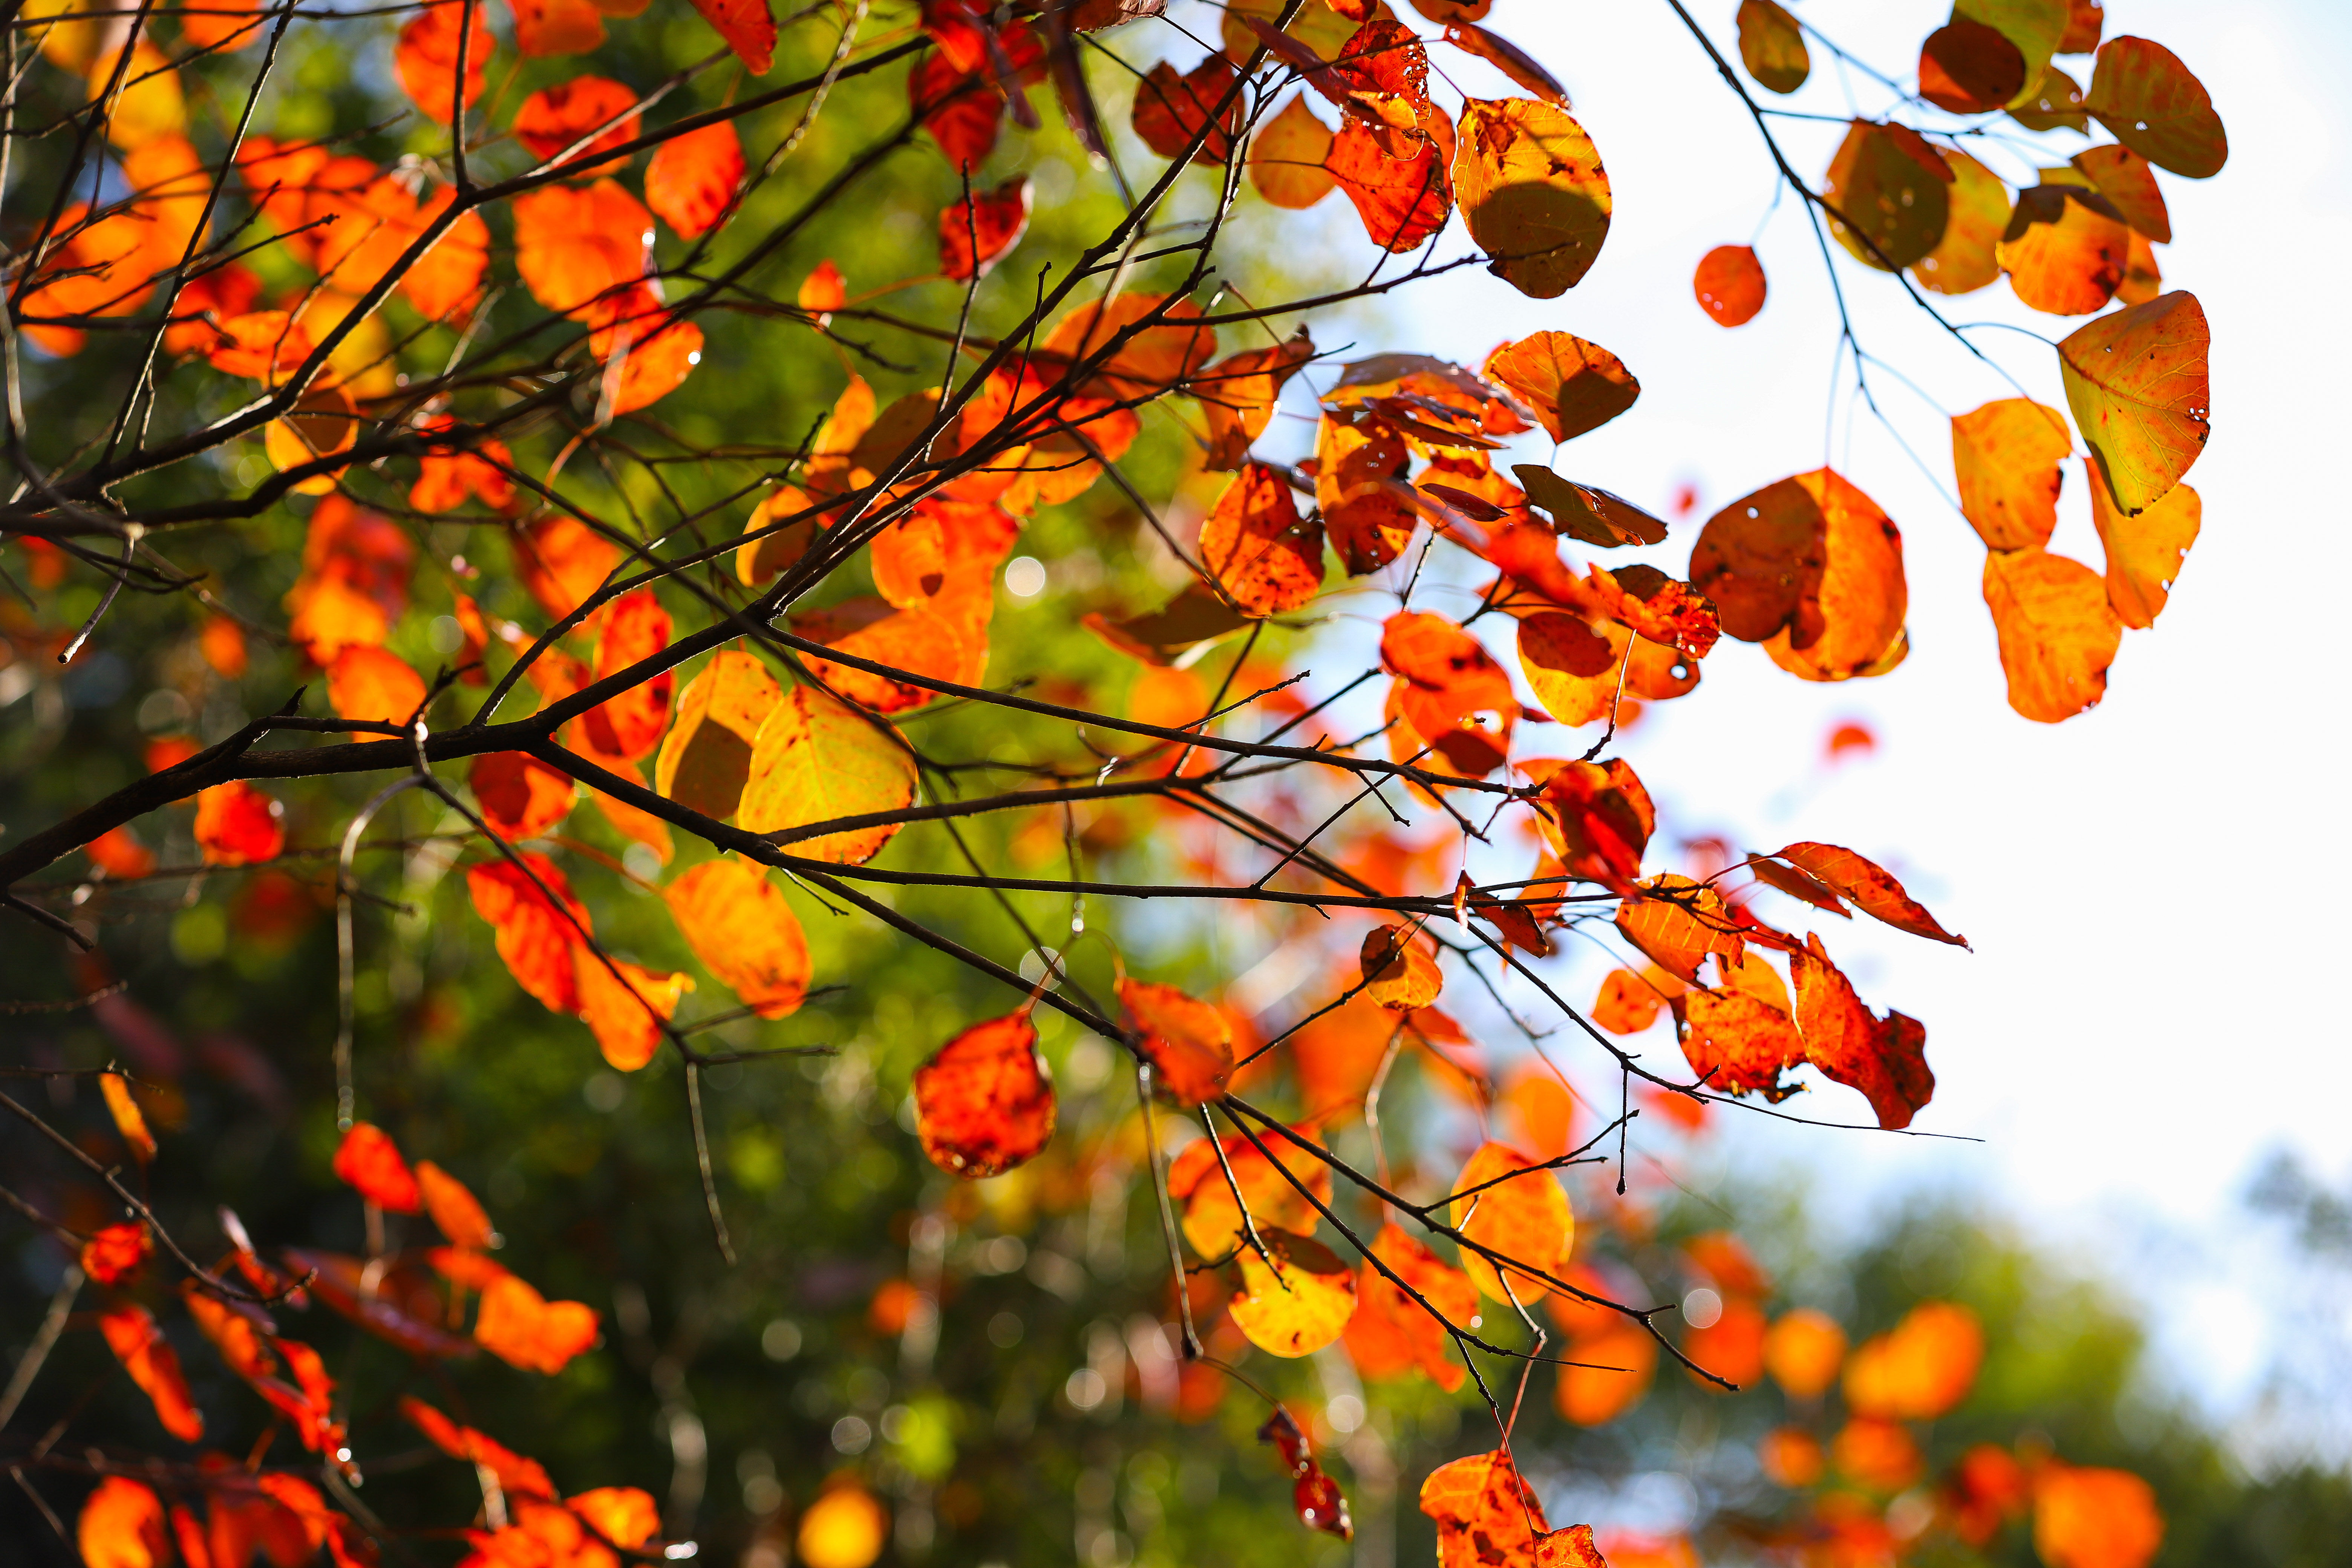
(2149, 1006)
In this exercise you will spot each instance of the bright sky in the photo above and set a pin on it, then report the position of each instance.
(2147, 1010)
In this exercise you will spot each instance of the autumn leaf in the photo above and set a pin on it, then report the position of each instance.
(1487, 1516)
(984, 1101)
(1399, 971)
(2136, 382)
(630, 725)
(1772, 46)
(559, 117)
(1676, 922)
(1802, 1351)
(1172, 108)
(369, 1161)
(744, 930)
(1533, 192)
(2058, 632)
(520, 1326)
(1884, 1058)
(121, 1526)
(625, 1006)
(2145, 553)
(1968, 67)
(425, 58)
(131, 1334)
(1889, 195)
(1279, 1184)
(1627, 1004)
(574, 245)
(1738, 1043)
(1811, 568)
(533, 937)
(1238, 394)
(692, 179)
(1598, 818)
(1732, 1347)
(1403, 201)
(1515, 1210)
(235, 1329)
(1587, 512)
(626, 1516)
(2141, 92)
(1867, 885)
(1572, 386)
(2086, 1518)
(1189, 1043)
(1730, 281)
(238, 825)
(1289, 156)
(1514, 62)
(748, 28)
(516, 1475)
(1256, 546)
(1610, 1372)
(2005, 456)
(455, 1210)
(978, 232)
(1296, 1298)
(815, 760)
(1921, 1368)
(114, 1254)
(124, 1110)
(545, 29)
(779, 543)
(1359, 462)
(518, 795)
(1967, 259)
(1392, 1334)
(2065, 249)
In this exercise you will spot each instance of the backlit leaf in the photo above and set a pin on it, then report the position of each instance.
(369, 1161)
(2064, 250)
(518, 795)
(1487, 1516)
(2138, 385)
(1772, 46)
(121, 1526)
(976, 235)
(1611, 1371)
(1399, 971)
(124, 1111)
(630, 725)
(1627, 1004)
(1587, 512)
(2124, 177)
(1258, 548)
(577, 246)
(1676, 922)
(1572, 386)
(426, 59)
(1238, 394)
(1172, 107)
(1729, 283)
(237, 825)
(815, 760)
(1889, 195)
(374, 683)
(1359, 462)
(2057, 630)
(1868, 886)
(2056, 100)
(1598, 818)
(115, 1253)
(549, 27)
(2145, 553)
(984, 1101)
(1966, 258)
(759, 560)
(1968, 67)
(2091, 1519)
(1187, 1041)
(520, 1326)
(456, 1212)
(1390, 1333)
(1802, 1351)
(1921, 1368)
(1288, 155)
(625, 1010)
(747, 26)
(1523, 1217)
(1884, 1058)
(1572, 667)
(558, 117)
(692, 179)
(1296, 1300)
(743, 928)
(2005, 456)
(2141, 92)
(1738, 1043)
(516, 1475)
(1403, 201)
(131, 1334)
(1532, 192)
(1811, 567)
(1269, 1182)
(1523, 68)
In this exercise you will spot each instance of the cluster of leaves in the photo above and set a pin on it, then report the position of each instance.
(821, 688)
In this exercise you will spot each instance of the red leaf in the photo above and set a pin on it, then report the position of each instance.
(693, 178)
(1729, 284)
(131, 1334)
(747, 27)
(1172, 108)
(237, 825)
(426, 59)
(555, 117)
(976, 235)
(983, 1102)
(1189, 1042)
(369, 1161)
(534, 939)
(1884, 1058)
(116, 1253)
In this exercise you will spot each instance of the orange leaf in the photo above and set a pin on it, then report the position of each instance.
(744, 932)
(1270, 1187)
(516, 1474)
(573, 246)
(549, 27)
(1572, 386)
(128, 1121)
(926, 641)
(1487, 1516)
(706, 757)
(1523, 1217)
(2093, 1518)
(625, 1012)
(1290, 156)
(2057, 628)
(369, 683)
(118, 853)
(237, 825)
(985, 1102)
(1172, 108)
(264, 345)
(1238, 395)
(1392, 1334)
(1729, 284)
(534, 939)
(1359, 463)
(426, 59)
(2145, 553)
(1190, 1043)
(518, 795)
(1811, 568)
(222, 25)
(131, 1334)
(555, 117)
(342, 1281)
(1871, 889)
(1884, 1058)
(1920, 1368)
(520, 1326)
(1399, 972)
(747, 27)
(630, 726)
(815, 761)
(1598, 819)
(1738, 1042)
(1966, 258)
(1533, 192)
(456, 1212)
(1504, 56)
(369, 1161)
(1611, 1371)
(1257, 547)
(1676, 922)
(2065, 249)
(1732, 1347)
(2141, 92)
(1880, 1454)
(1802, 1351)
(2137, 381)
(1403, 201)
(1890, 195)
(976, 233)
(2005, 456)
(2124, 177)
(117, 1252)
(1297, 1299)
(1627, 1004)
(692, 179)
(622, 1515)
(647, 352)
(233, 1330)
(121, 1526)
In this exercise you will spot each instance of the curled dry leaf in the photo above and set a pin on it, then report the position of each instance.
(984, 1101)
(1889, 195)
(2138, 384)
(1256, 546)
(2005, 456)
(1514, 1209)
(744, 932)
(2058, 632)
(1487, 1515)
(1399, 972)
(2145, 553)
(1772, 46)
(369, 1161)
(1296, 1298)
(1884, 1058)
(815, 760)
(1188, 1044)
(1532, 192)
(1729, 284)
(1572, 386)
